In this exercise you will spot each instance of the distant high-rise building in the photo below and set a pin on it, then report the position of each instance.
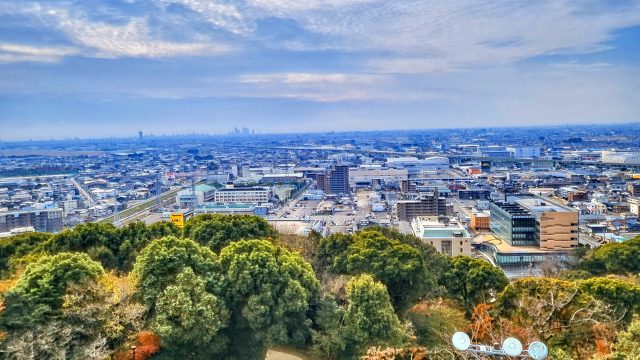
(140, 135)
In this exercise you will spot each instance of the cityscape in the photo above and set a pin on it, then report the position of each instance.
(319, 180)
(502, 194)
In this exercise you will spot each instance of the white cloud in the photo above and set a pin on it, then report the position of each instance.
(220, 15)
(331, 87)
(10, 52)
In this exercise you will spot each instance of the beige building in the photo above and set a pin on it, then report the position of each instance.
(447, 238)
(557, 225)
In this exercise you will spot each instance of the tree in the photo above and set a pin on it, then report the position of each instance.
(18, 246)
(188, 319)
(269, 291)
(622, 296)
(627, 346)
(135, 236)
(472, 281)
(404, 265)
(559, 312)
(38, 294)
(216, 230)
(327, 338)
(159, 263)
(613, 258)
(370, 319)
(435, 322)
(100, 241)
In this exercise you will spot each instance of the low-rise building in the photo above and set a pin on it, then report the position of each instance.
(448, 238)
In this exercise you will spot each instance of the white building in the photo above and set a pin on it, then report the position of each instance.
(390, 177)
(616, 157)
(525, 152)
(187, 197)
(450, 239)
(232, 194)
(415, 165)
(634, 206)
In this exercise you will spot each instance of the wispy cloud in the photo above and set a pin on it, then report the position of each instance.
(10, 52)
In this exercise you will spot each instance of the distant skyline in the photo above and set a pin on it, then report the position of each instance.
(95, 69)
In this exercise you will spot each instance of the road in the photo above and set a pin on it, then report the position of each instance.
(87, 195)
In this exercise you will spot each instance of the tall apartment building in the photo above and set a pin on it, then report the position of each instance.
(332, 181)
(427, 204)
(45, 220)
(339, 180)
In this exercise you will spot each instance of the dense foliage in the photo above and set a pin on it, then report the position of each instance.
(217, 231)
(230, 287)
(406, 266)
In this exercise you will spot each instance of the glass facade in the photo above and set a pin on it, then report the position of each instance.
(513, 224)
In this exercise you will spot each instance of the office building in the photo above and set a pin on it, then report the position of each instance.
(44, 220)
(634, 188)
(530, 230)
(513, 224)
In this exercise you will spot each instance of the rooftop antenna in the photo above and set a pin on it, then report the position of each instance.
(511, 347)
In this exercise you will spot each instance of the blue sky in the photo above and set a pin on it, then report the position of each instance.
(89, 68)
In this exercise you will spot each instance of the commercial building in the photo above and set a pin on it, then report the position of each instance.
(416, 166)
(556, 224)
(513, 224)
(449, 238)
(427, 204)
(529, 230)
(44, 220)
(250, 194)
(634, 188)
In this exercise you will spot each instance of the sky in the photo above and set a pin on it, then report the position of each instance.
(89, 68)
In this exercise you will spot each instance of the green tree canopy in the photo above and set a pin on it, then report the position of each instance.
(18, 246)
(369, 319)
(39, 291)
(627, 346)
(404, 264)
(189, 319)
(269, 291)
(613, 258)
(161, 261)
(472, 281)
(217, 230)
(622, 296)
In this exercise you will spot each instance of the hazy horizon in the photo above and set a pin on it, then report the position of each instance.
(98, 69)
